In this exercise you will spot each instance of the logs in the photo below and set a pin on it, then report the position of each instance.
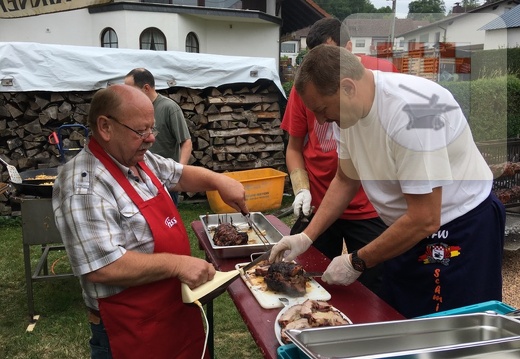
(233, 127)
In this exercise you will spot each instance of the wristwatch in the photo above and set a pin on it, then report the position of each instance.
(358, 263)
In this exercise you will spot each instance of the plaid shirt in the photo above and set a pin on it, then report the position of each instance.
(98, 221)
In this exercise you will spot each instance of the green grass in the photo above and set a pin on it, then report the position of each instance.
(62, 330)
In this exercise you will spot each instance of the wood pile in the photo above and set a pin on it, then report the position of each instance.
(233, 127)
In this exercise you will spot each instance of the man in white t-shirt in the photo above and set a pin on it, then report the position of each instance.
(406, 140)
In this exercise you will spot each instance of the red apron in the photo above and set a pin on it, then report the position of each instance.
(151, 321)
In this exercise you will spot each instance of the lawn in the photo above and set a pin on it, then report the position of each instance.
(62, 330)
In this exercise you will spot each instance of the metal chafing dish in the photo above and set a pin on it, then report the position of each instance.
(456, 336)
(256, 243)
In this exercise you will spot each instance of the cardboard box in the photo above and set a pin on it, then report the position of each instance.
(264, 190)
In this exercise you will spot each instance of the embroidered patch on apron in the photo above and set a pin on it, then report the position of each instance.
(439, 253)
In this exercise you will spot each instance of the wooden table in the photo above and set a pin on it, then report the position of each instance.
(356, 301)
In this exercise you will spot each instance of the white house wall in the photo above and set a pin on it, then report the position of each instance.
(462, 29)
(65, 28)
(79, 27)
(498, 39)
(513, 37)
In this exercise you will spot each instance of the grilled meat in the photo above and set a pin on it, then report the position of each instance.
(309, 314)
(226, 234)
(286, 277)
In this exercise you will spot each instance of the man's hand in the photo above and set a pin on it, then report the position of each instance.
(295, 245)
(302, 202)
(193, 271)
(340, 271)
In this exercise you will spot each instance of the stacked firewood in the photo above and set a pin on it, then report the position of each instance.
(233, 127)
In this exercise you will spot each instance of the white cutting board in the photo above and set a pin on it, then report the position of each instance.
(269, 299)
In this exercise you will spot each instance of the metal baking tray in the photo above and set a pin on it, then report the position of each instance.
(414, 338)
(255, 244)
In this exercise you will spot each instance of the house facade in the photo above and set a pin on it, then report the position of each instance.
(237, 28)
(463, 30)
(503, 32)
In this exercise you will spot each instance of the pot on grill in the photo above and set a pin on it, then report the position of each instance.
(37, 182)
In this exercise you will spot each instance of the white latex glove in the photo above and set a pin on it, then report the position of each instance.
(340, 271)
(302, 202)
(294, 245)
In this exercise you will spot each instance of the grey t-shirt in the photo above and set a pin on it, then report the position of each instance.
(172, 127)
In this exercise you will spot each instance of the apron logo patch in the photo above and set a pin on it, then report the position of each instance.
(439, 253)
(170, 222)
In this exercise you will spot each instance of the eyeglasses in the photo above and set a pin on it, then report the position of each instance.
(144, 135)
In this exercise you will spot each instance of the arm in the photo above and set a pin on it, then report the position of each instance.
(294, 155)
(421, 219)
(135, 268)
(299, 176)
(199, 179)
(186, 148)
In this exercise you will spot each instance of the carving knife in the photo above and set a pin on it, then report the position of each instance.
(312, 274)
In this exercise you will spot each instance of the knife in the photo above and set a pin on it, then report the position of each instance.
(256, 261)
(312, 274)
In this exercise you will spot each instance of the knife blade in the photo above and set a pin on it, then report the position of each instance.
(312, 274)
(256, 261)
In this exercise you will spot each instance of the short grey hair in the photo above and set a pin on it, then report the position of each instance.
(325, 66)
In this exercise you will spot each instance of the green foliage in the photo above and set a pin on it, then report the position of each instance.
(490, 105)
(287, 86)
(493, 63)
(426, 10)
(342, 9)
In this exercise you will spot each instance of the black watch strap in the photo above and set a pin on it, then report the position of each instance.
(357, 262)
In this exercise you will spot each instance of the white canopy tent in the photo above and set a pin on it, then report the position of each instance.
(26, 66)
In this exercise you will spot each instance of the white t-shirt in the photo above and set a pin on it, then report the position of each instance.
(415, 138)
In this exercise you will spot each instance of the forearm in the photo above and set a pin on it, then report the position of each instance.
(186, 148)
(421, 219)
(401, 236)
(135, 268)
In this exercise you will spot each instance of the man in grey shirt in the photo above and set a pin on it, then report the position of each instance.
(174, 140)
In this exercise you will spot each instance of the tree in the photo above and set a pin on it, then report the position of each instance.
(342, 9)
(426, 9)
(468, 5)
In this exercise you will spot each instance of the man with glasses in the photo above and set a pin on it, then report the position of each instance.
(175, 141)
(124, 236)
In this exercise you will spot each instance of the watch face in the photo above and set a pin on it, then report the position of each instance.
(358, 263)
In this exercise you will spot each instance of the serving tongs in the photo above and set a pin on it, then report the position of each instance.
(252, 225)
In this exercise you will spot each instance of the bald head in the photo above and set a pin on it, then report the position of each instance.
(115, 100)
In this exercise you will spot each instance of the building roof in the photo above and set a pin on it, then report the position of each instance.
(358, 27)
(295, 14)
(299, 14)
(507, 20)
(483, 8)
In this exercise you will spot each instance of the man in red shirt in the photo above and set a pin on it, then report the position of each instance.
(312, 161)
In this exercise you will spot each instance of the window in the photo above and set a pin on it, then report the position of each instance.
(424, 38)
(109, 38)
(360, 43)
(192, 43)
(288, 47)
(152, 39)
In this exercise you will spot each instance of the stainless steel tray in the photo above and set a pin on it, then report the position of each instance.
(414, 338)
(255, 244)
